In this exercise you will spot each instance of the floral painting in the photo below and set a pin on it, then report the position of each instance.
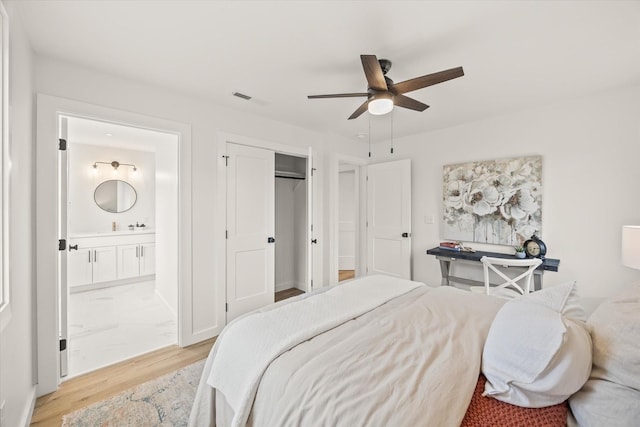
(496, 201)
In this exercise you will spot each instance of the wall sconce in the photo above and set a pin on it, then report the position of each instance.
(115, 164)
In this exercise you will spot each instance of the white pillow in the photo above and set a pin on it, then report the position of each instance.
(536, 353)
(612, 394)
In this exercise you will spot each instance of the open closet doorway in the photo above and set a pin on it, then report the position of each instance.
(118, 288)
(290, 224)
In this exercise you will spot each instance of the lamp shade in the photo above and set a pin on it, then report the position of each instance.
(631, 246)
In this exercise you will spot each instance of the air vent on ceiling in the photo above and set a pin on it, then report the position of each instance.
(241, 95)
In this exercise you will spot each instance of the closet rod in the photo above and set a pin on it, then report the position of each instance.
(290, 175)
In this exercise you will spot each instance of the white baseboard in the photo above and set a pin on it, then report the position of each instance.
(28, 411)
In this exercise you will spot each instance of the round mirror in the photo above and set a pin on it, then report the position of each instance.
(115, 196)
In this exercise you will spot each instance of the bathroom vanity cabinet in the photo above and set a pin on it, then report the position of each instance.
(137, 259)
(110, 259)
(91, 265)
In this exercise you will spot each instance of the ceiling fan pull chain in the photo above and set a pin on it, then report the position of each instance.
(369, 135)
(391, 131)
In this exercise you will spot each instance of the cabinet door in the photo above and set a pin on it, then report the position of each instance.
(128, 261)
(147, 258)
(104, 264)
(79, 267)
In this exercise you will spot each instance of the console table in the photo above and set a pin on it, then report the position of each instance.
(446, 257)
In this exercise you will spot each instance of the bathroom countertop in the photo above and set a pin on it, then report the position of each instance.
(145, 230)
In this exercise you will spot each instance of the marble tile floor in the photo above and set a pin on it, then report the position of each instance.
(109, 325)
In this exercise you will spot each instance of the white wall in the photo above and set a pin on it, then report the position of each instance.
(590, 148)
(84, 215)
(207, 123)
(17, 340)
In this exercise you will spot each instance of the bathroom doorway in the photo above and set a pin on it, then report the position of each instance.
(120, 296)
(348, 201)
(347, 221)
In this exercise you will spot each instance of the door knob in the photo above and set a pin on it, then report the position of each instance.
(271, 240)
(405, 234)
(314, 241)
(73, 247)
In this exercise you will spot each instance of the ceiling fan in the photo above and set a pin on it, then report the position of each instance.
(382, 94)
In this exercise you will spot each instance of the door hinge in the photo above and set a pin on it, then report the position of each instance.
(367, 178)
(313, 171)
(63, 344)
(62, 144)
(311, 227)
(226, 307)
(366, 224)
(226, 234)
(226, 160)
(62, 244)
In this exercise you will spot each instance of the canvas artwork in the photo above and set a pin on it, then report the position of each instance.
(495, 201)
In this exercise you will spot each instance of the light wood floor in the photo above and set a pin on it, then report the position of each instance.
(84, 390)
(288, 293)
(346, 275)
(95, 386)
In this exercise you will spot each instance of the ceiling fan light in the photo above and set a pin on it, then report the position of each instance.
(380, 106)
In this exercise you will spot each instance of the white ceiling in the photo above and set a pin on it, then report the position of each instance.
(515, 54)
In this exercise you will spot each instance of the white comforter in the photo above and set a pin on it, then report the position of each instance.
(412, 361)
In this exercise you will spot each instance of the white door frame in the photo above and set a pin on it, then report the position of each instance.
(314, 273)
(63, 171)
(334, 194)
(49, 108)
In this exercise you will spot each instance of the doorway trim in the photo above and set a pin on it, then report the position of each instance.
(314, 272)
(361, 232)
(49, 108)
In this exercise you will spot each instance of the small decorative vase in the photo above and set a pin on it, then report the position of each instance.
(520, 255)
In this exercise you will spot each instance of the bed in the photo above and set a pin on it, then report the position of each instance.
(382, 351)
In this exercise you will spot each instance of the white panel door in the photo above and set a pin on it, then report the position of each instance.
(250, 228)
(104, 264)
(128, 261)
(389, 218)
(147, 259)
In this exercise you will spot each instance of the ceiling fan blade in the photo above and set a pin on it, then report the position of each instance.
(410, 103)
(373, 72)
(338, 95)
(428, 80)
(361, 109)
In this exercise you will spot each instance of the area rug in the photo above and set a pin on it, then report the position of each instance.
(164, 401)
